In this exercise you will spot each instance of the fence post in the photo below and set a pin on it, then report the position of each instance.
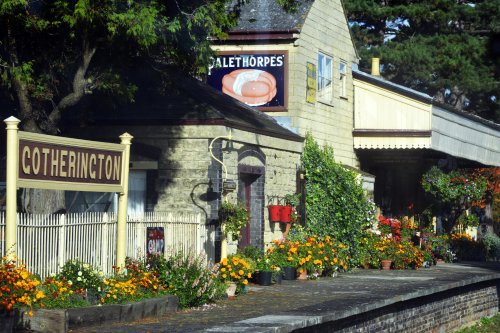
(61, 251)
(105, 238)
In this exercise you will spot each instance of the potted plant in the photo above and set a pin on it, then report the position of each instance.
(233, 217)
(284, 255)
(386, 250)
(234, 272)
(265, 269)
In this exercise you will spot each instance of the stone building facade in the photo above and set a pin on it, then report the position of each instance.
(315, 38)
(186, 144)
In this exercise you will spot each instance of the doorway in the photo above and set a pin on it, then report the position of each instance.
(251, 192)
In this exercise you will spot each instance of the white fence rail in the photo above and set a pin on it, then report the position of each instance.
(46, 242)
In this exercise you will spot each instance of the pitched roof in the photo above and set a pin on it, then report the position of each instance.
(269, 16)
(187, 101)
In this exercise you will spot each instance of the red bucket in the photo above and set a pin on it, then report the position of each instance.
(286, 214)
(274, 213)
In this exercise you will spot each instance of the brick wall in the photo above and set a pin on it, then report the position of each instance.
(437, 313)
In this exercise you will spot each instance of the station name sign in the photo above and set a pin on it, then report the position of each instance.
(69, 164)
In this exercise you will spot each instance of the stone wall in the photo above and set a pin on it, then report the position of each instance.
(325, 30)
(437, 313)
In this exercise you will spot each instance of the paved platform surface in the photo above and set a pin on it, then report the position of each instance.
(297, 304)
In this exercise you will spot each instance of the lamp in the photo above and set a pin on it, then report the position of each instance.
(227, 185)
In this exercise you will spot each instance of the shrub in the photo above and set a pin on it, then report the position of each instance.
(59, 295)
(18, 287)
(368, 255)
(189, 278)
(82, 277)
(492, 244)
(407, 256)
(251, 252)
(466, 248)
(336, 204)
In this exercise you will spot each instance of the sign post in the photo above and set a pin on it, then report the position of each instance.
(58, 163)
(11, 187)
(121, 226)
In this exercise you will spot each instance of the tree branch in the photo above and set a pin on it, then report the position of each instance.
(79, 84)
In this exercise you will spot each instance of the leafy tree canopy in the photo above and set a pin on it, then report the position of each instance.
(55, 52)
(445, 48)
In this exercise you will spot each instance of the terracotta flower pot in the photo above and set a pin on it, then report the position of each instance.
(302, 275)
(386, 264)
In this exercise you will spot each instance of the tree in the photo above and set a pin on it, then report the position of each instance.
(444, 48)
(55, 53)
(455, 192)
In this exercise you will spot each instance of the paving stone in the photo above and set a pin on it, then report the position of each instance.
(298, 304)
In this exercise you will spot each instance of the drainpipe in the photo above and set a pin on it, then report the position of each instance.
(376, 66)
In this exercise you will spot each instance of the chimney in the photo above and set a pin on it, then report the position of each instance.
(376, 66)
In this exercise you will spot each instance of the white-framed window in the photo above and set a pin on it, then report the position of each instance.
(343, 78)
(325, 83)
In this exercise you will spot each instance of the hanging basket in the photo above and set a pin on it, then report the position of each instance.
(286, 214)
(274, 213)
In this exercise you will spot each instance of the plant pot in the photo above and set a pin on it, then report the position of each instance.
(286, 214)
(231, 289)
(302, 275)
(289, 273)
(265, 278)
(274, 213)
(386, 264)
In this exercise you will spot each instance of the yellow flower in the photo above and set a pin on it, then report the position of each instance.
(245, 281)
(240, 272)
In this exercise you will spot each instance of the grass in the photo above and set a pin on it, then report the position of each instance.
(485, 325)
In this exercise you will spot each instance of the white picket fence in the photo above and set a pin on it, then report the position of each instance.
(46, 242)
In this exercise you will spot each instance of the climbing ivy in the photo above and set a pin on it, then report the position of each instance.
(336, 204)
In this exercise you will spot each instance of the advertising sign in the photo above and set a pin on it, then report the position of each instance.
(311, 83)
(255, 78)
(155, 238)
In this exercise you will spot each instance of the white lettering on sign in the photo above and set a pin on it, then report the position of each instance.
(244, 61)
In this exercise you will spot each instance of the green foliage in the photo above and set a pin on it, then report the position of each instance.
(189, 278)
(485, 325)
(492, 244)
(453, 187)
(81, 275)
(439, 47)
(233, 217)
(368, 255)
(336, 204)
(455, 192)
(251, 252)
(55, 53)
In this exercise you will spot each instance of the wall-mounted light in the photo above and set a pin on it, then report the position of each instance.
(227, 185)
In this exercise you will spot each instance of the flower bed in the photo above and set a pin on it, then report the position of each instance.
(61, 320)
